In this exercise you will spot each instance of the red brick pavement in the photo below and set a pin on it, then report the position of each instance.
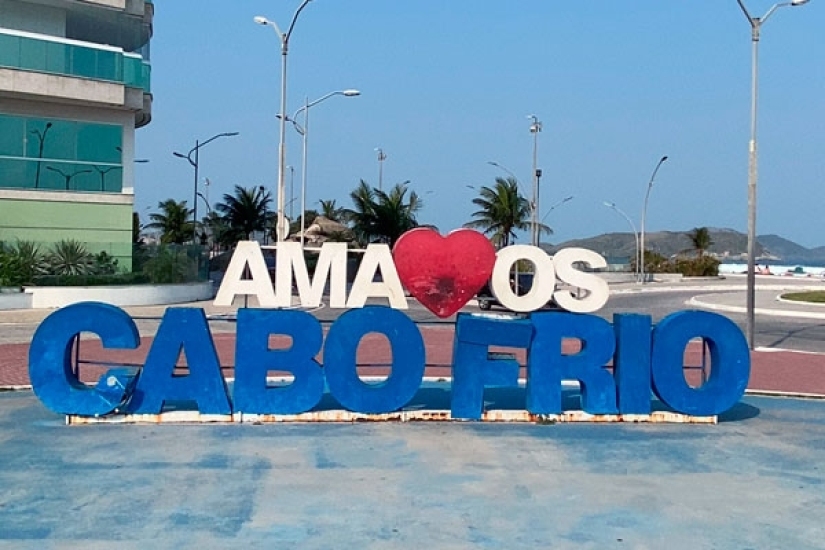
(779, 371)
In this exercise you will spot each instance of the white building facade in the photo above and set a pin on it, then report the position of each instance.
(74, 86)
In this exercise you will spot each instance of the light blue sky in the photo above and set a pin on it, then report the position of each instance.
(447, 86)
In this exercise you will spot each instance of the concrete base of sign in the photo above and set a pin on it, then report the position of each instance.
(194, 417)
(431, 404)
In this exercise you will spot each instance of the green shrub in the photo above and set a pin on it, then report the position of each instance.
(21, 263)
(104, 264)
(92, 280)
(171, 265)
(704, 266)
(70, 257)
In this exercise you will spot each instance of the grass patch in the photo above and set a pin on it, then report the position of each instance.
(814, 296)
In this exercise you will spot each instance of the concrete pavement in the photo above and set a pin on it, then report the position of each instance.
(753, 481)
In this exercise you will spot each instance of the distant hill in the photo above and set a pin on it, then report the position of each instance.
(791, 252)
(728, 244)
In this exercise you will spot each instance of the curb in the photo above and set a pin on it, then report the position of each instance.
(785, 394)
(695, 301)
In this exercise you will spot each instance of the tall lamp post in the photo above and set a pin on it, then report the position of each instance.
(612, 206)
(291, 190)
(500, 167)
(564, 200)
(644, 215)
(284, 37)
(304, 131)
(535, 128)
(382, 156)
(756, 27)
(193, 157)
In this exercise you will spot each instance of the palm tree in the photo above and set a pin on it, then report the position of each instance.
(379, 216)
(173, 222)
(246, 211)
(331, 211)
(701, 240)
(216, 227)
(503, 210)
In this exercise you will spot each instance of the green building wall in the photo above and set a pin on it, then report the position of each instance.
(101, 224)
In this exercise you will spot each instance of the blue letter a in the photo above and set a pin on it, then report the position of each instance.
(182, 330)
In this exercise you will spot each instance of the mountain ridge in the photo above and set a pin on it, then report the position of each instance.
(728, 245)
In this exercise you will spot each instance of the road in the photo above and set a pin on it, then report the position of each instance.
(656, 300)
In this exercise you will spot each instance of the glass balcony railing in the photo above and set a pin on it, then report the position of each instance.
(30, 53)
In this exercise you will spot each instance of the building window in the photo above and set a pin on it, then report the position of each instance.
(65, 155)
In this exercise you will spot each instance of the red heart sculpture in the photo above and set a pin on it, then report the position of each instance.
(444, 273)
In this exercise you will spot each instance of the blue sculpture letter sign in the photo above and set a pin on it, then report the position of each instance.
(644, 359)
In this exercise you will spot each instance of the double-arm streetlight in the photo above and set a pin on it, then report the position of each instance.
(756, 27)
(564, 200)
(304, 131)
(500, 167)
(644, 215)
(612, 206)
(193, 156)
(282, 227)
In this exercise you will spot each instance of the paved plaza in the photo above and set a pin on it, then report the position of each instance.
(755, 480)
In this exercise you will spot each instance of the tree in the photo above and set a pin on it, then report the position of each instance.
(331, 211)
(217, 228)
(700, 239)
(502, 211)
(137, 229)
(379, 216)
(173, 222)
(246, 211)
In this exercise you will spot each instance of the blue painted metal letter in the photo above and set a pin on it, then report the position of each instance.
(408, 360)
(51, 372)
(547, 367)
(186, 330)
(473, 368)
(631, 364)
(729, 356)
(254, 360)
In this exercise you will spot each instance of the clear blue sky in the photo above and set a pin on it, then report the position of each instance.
(447, 86)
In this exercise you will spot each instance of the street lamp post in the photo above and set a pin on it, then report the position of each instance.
(500, 167)
(564, 200)
(644, 215)
(381, 158)
(194, 162)
(291, 191)
(304, 131)
(281, 229)
(756, 27)
(612, 205)
(535, 128)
